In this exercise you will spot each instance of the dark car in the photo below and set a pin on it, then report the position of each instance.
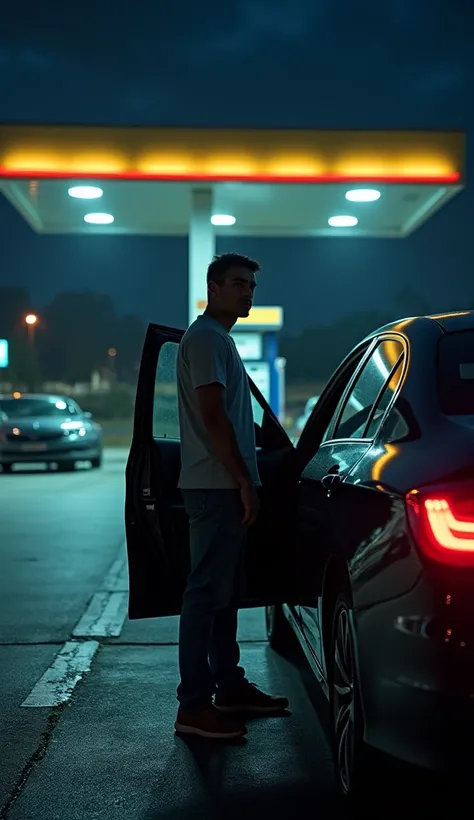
(365, 543)
(47, 429)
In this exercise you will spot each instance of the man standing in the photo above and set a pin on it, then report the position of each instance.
(219, 476)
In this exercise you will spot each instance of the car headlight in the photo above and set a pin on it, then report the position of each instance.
(72, 425)
(75, 432)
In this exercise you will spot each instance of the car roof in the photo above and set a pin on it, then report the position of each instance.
(452, 322)
(446, 322)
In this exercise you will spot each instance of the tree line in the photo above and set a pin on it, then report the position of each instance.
(77, 333)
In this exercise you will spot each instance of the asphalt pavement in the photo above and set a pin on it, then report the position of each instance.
(87, 700)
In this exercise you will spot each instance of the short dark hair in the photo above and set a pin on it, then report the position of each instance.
(222, 263)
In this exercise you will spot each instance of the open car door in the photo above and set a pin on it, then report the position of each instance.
(155, 518)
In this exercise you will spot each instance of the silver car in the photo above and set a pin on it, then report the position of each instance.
(47, 429)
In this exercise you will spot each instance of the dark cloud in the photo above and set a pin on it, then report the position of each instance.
(304, 62)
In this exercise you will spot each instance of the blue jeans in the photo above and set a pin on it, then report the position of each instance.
(209, 654)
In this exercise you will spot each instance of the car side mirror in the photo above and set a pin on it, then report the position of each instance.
(87, 415)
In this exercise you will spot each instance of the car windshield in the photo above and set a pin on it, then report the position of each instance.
(27, 408)
(456, 373)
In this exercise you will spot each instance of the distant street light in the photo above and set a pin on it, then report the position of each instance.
(31, 321)
(112, 353)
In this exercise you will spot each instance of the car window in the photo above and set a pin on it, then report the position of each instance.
(165, 406)
(384, 400)
(361, 397)
(344, 380)
(261, 379)
(258, 412)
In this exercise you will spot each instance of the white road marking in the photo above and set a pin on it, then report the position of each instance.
(59, 680)
(104, 617)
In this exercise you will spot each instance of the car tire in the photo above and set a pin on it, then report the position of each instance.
(279, 632)
(350, 754)
(66, 466)
(96, 462)
(6, 468)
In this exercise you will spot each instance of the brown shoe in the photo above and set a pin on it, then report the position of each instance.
(249, 698)
(208, 722)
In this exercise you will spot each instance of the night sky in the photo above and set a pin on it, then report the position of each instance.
(302, 64)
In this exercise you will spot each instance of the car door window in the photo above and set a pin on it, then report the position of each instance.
(384, 400)
(340, 396)
(165, 402)
(362, 395)
(368, 429)
(258, 412)
(317, 428)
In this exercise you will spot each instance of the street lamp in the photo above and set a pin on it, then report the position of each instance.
(31, 321)
(112, 353)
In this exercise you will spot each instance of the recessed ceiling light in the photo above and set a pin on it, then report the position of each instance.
(342, 221)
(223, 219)
(85, 192)
(99, 219)
(363, 195)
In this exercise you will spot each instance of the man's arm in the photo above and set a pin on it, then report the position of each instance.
(221, 432)
(224, 442)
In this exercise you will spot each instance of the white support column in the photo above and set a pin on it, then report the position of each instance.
(202, 247)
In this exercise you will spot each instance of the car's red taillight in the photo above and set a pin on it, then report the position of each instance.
(443, 523)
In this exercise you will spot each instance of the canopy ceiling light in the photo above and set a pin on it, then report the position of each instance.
(85, 192)
(363, 195)
(99, 219)
(223, 219)
(342, 221)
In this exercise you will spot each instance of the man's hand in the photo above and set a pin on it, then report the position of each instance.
(251, 504)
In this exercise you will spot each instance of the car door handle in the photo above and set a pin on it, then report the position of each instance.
(331, 481)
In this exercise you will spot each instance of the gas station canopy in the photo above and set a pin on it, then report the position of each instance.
(261, 183)
(205, 183)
